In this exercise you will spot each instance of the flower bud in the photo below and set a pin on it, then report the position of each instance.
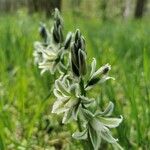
(82, 62)
(43, 32)
(102, 71)
(77, 35)
(78, 55)
(57, 28)
(68, 40)
(74, 61)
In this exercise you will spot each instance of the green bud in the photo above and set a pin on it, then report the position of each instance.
(78, 55)
(43, 32)
(77, 35)
(93, 81)
(68, 40)
(57, 28)
(82, 62)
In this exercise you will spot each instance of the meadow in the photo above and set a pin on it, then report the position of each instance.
(26, 121)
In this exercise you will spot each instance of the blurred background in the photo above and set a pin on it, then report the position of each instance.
(103, 9)
(116, 32)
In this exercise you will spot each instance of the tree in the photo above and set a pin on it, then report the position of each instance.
(46, 6)
(139, 9)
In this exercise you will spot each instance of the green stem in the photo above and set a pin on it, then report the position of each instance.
(81, 83)
(86, 144)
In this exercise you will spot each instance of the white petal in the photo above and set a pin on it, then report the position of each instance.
(106, 135)
(58, 107)
(110, 122)
(80, 135)
(107, 112)
(100, 70)
(93, 67)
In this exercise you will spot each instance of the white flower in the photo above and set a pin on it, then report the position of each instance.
(97, 128)
(67, 95)
(69, 99)
(49, 58)
(98, 76)
(38, 52)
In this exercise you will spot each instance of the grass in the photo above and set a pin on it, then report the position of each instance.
(26, 121)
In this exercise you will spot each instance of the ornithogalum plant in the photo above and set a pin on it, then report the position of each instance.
(73, 86)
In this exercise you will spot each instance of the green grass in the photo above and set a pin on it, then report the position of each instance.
(24, 109)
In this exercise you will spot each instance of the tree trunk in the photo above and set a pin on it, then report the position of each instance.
(126, 10)
(139, 9)
(46, 6)
(50, 5)
(103, 8)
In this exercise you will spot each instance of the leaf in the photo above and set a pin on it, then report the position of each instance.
(117, 146)
(107, 112)
(111, 122)
(94, 137)
(80, 135)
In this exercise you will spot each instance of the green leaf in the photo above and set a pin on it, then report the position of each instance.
(117, 146)
(2, 145)
(80, 135)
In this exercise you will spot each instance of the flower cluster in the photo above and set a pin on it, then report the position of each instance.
(78, 55)
(72, 87)
(51, 52)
